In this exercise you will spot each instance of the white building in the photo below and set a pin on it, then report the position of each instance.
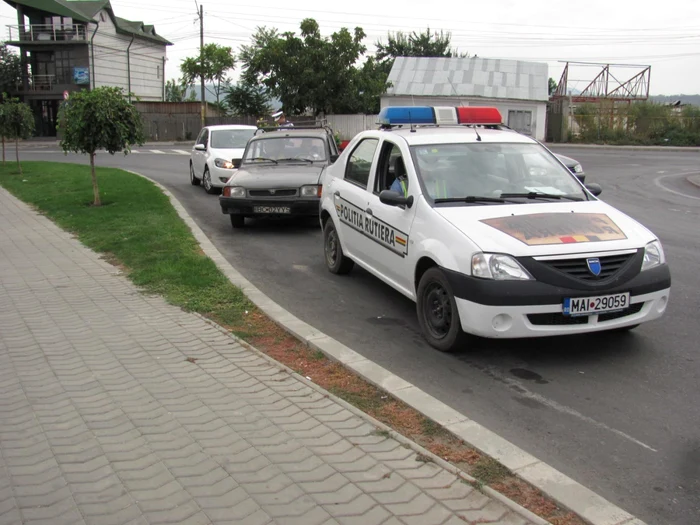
(70, 45)
(518, 89)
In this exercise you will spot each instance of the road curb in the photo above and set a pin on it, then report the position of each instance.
(593, 508)
(694, 180)
(693, 149)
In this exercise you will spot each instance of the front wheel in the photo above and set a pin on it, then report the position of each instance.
(206, 180)
(193, 180)
(335, 260)
(437, 311)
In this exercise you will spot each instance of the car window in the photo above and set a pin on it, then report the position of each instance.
(389, 167)
(360, 162)
(230, 138)
(204, 137)
(455, 171)
(287, 149)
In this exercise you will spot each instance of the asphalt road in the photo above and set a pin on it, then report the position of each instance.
(618, 413)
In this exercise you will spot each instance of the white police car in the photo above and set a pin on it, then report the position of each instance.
(486, 230)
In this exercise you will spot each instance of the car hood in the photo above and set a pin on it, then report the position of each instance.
(227, 153)
(547, 228)
(276, 176)
(566, 160)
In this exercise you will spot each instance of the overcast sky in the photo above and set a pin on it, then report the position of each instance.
(665, 35)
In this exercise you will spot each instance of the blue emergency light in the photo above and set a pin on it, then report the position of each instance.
(439, 115)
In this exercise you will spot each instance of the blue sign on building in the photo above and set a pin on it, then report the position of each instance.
(81, 75)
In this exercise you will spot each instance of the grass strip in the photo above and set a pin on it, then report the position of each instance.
(138, 230)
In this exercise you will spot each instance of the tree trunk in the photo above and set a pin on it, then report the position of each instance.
(95, 189)
(3, 150)
(19, 164)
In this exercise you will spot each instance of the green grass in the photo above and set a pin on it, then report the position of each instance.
(489, 471)
(136, 226)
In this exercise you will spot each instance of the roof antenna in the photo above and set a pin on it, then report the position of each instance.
(410, 121)
(478, 137)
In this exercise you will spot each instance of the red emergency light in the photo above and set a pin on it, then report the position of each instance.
(479, 115)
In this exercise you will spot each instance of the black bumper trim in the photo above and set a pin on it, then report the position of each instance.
(530, 293)
(297, 206)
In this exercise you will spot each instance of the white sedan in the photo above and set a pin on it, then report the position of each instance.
(217, 154)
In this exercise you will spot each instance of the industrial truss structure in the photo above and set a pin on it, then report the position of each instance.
(605, 86)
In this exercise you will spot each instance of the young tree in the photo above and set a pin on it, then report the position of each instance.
(176, 91)
(415, 44)
(218, 61)
(552, 86)
(10, 70)
(17, 123)
(99, 119)
(247, 100)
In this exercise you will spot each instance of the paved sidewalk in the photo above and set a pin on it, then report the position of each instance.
(105, 419)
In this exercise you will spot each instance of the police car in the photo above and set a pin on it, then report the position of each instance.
(486, 230)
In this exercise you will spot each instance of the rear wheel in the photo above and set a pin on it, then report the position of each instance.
(193, 180)
(237, 221)
(335, 260)
(206, 181)
(437, 311)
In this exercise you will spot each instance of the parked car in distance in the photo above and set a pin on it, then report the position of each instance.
(279, 174)
(217, 153)
(573, 165)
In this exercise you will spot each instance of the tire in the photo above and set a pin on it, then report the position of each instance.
(438, 316)
(237, 221)
(193, 180)
(336, 262)
(206, 182)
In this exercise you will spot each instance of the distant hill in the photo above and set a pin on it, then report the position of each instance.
(685, 99)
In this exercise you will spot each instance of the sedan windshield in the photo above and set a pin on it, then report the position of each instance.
(286, 149)
(466, 172)
(231, 138)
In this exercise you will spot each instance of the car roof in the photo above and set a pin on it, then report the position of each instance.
(452, 134)
(218, 127)
(308, 133)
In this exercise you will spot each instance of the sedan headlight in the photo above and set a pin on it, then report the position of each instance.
(234, 191)
(311, 191)
(498, 267)
(653, 255)
(223, 163)
(578, 168)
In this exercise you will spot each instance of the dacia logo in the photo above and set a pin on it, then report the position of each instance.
(594, 266)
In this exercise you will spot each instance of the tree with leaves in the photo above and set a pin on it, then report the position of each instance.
(176, 91)
(16, 123)
(423, 44)
(311, 72)
(213, 65)
(10, 70)
(552, 86)
(102, 118)
(247, 100)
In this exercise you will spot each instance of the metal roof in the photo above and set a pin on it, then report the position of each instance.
(469, 77)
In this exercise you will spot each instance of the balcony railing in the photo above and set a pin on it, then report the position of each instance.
(47, 33)
(39, 83)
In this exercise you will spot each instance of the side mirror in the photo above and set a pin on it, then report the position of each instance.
(200, 147)
(392, 198)
(236, 163)
(334, 158)
(594, 188)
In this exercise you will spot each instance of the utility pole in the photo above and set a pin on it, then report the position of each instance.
(201, 62)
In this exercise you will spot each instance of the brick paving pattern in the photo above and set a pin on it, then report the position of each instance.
(104, 420)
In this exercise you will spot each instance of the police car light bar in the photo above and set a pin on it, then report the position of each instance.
(439, 115)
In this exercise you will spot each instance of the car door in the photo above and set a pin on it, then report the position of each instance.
(351, 199)
(390, 226)
(200, 156)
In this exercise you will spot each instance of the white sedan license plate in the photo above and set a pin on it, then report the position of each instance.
(596, 305)
(271, 209)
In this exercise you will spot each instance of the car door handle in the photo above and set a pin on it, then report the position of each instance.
(369, 211)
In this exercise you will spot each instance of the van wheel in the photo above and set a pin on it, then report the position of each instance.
(335, 260)
(437, 312)
(237, 221)
(193, 180)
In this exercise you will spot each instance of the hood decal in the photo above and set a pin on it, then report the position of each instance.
(558, 228)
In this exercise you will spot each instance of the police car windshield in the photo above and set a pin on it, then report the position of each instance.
(287, 149)
(231, 138)
(463, 172)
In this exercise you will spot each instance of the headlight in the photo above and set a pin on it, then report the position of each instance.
(234, 191)
(223, 163)
(578, 168)
(498, 267)
(311, 191)
(653, 255)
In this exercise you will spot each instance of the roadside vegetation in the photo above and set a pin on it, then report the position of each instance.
(641, 123)
(137, 229)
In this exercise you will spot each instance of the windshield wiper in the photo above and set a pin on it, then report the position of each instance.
(539, 195)
(472, 198)
(298, 158)
(264, 158)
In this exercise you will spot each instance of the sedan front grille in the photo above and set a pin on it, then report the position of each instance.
(578, 268)
(272, 193)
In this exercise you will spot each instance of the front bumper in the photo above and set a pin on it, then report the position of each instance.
(220, 176)
(297, 206)
(519, 309)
